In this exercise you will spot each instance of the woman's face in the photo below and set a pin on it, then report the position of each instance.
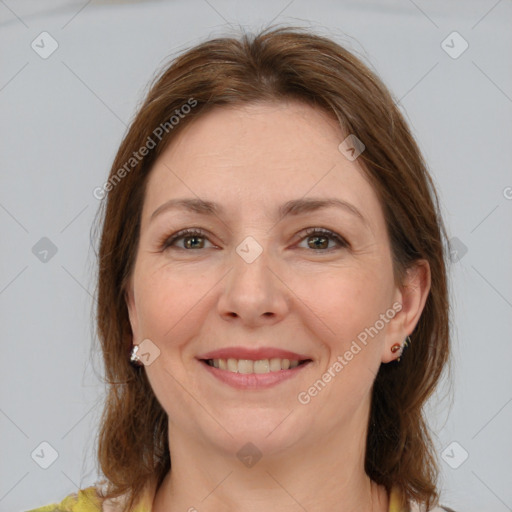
(258, 277)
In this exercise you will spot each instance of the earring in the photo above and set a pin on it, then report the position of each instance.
(134, 358)
(397, 347)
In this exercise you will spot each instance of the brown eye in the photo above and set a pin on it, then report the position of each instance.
(319, 239)
(194, 239)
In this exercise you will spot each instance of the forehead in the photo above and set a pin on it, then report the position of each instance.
(282, 131)
(258, 155)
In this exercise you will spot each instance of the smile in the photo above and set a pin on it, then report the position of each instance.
(259, 366)
(248, 374)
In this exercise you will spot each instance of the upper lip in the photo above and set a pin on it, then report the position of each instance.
(254, 354)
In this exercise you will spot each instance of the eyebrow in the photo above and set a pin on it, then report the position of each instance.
(293, 207)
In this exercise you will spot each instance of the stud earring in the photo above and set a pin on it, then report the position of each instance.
(397, 347)
(134, 358)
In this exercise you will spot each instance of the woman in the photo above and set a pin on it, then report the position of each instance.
(271, 244)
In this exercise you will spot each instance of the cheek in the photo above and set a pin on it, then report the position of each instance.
(163, 298)
(173, 303)
(350, 304)
(348, 300)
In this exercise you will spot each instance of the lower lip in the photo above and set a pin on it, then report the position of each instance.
(253, 380)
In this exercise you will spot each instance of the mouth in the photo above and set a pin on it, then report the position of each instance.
(254, 375)
(259, 366)
(251, 368)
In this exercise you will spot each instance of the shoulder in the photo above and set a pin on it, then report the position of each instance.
(396, 505)
(440, 508)
(85, 500)
(90, 500)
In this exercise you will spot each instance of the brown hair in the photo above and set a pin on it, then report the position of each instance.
(277, 64)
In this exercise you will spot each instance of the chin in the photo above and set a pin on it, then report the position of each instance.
(270, 431)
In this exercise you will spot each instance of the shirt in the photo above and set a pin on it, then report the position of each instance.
(87, 500)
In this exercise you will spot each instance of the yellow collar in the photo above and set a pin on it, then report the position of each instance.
(146, 502)
(395, 502)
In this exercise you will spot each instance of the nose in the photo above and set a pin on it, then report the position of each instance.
(253, 293)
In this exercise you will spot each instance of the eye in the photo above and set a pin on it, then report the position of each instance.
(191, 236)
(320, 239)
(194, 239)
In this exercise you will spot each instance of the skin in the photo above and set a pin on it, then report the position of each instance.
(188, 301)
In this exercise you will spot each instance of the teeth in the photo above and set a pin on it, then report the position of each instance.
(248, 366)
(276, 365)
(262, 366)
(232, 365)
(245, 366)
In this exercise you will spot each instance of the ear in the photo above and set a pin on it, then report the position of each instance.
(132, 310)
(412, 295)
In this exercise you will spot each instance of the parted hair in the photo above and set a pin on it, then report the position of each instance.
(276, 64)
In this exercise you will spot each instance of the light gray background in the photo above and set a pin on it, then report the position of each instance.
(63, 118)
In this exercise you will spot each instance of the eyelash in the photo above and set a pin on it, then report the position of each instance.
(167, 242)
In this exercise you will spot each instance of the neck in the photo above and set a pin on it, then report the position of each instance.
(317, 477)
